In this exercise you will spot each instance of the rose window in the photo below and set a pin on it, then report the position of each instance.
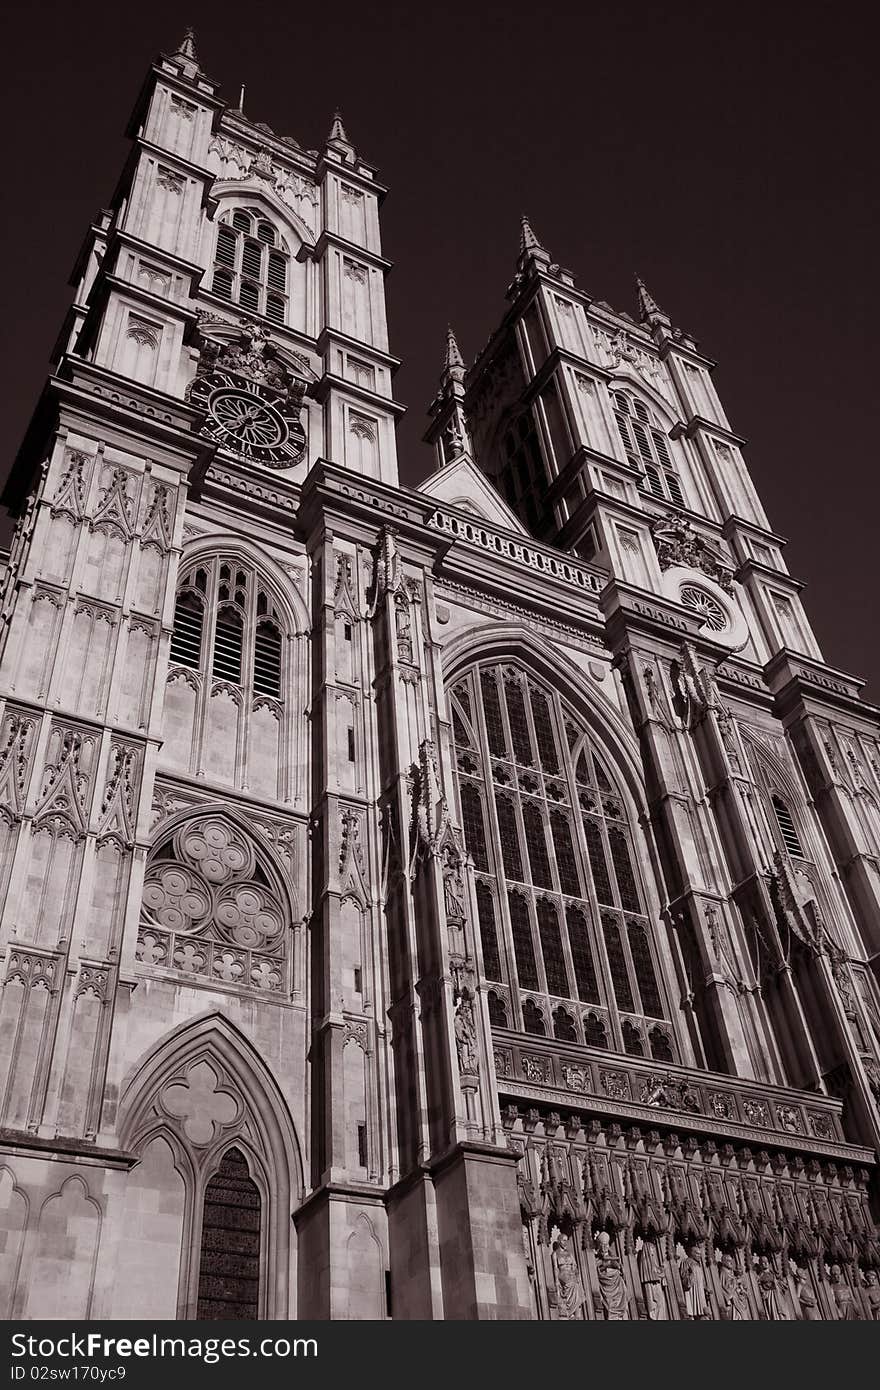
(213, 908)
(705, 605)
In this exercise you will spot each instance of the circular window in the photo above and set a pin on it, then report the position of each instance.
(706, 605)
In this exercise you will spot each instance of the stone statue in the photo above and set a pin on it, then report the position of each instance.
(772, 1298)
(653, 1279)
(692, 1273)
(465, 1031)
(612, 1287)
(844, 1297)
(453, 889)
(569, 1289)
(872, 1294)
(809, 1304)
(735, 1305)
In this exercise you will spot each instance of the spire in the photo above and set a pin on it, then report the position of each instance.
(449, 431)
(453, 352)
(185, 54)
(528, 242)
(187, 46)
(532, 256)
(338, 139)
(337, 130)
(649, 309)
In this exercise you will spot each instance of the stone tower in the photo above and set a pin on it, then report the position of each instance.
(456, 902)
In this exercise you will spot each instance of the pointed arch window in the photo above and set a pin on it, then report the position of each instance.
(645, 445)
(561, 901)
(251, 264)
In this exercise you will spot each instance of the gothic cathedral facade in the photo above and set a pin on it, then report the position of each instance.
(459, 901)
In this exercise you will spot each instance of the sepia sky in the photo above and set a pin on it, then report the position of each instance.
(725, 154)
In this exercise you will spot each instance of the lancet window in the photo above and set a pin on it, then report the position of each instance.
(560, 899)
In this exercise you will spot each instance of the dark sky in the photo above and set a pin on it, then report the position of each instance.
(726, 154)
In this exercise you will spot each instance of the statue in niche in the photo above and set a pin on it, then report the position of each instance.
(569, 1289)
(692, 1273)
(844, 1298)
(735, 1304)
(806, 1296)
(465, 1030)
(770, 1288)
(612, 1286)
(404, 628)
(653, 1279)
(872, 1294)
(453, 888)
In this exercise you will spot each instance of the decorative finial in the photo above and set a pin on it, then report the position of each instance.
(453, 352)
(337, 130)
(649, 309)
(187, 48)
(527, 239)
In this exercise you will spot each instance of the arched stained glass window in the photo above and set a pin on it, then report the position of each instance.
(560, 895)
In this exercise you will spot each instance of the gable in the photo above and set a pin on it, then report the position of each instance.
(461, 484)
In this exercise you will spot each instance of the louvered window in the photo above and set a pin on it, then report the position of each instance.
(228, 641)
(267, 659)
(785, 821)
(560, 897)
(186, 640)
(646, 446)
(251, 265)
(227, 625)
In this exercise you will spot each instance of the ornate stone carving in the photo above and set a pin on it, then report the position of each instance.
(576, 1078)
(431, 809)
(615, 1084)
(789, 1119)
(211, 908)
(201, 1103)
(670, 1093)
(536, 1069)
(756, 1112)
(254, 356)
(677, 543)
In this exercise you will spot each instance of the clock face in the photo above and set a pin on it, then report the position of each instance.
(240, 419)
